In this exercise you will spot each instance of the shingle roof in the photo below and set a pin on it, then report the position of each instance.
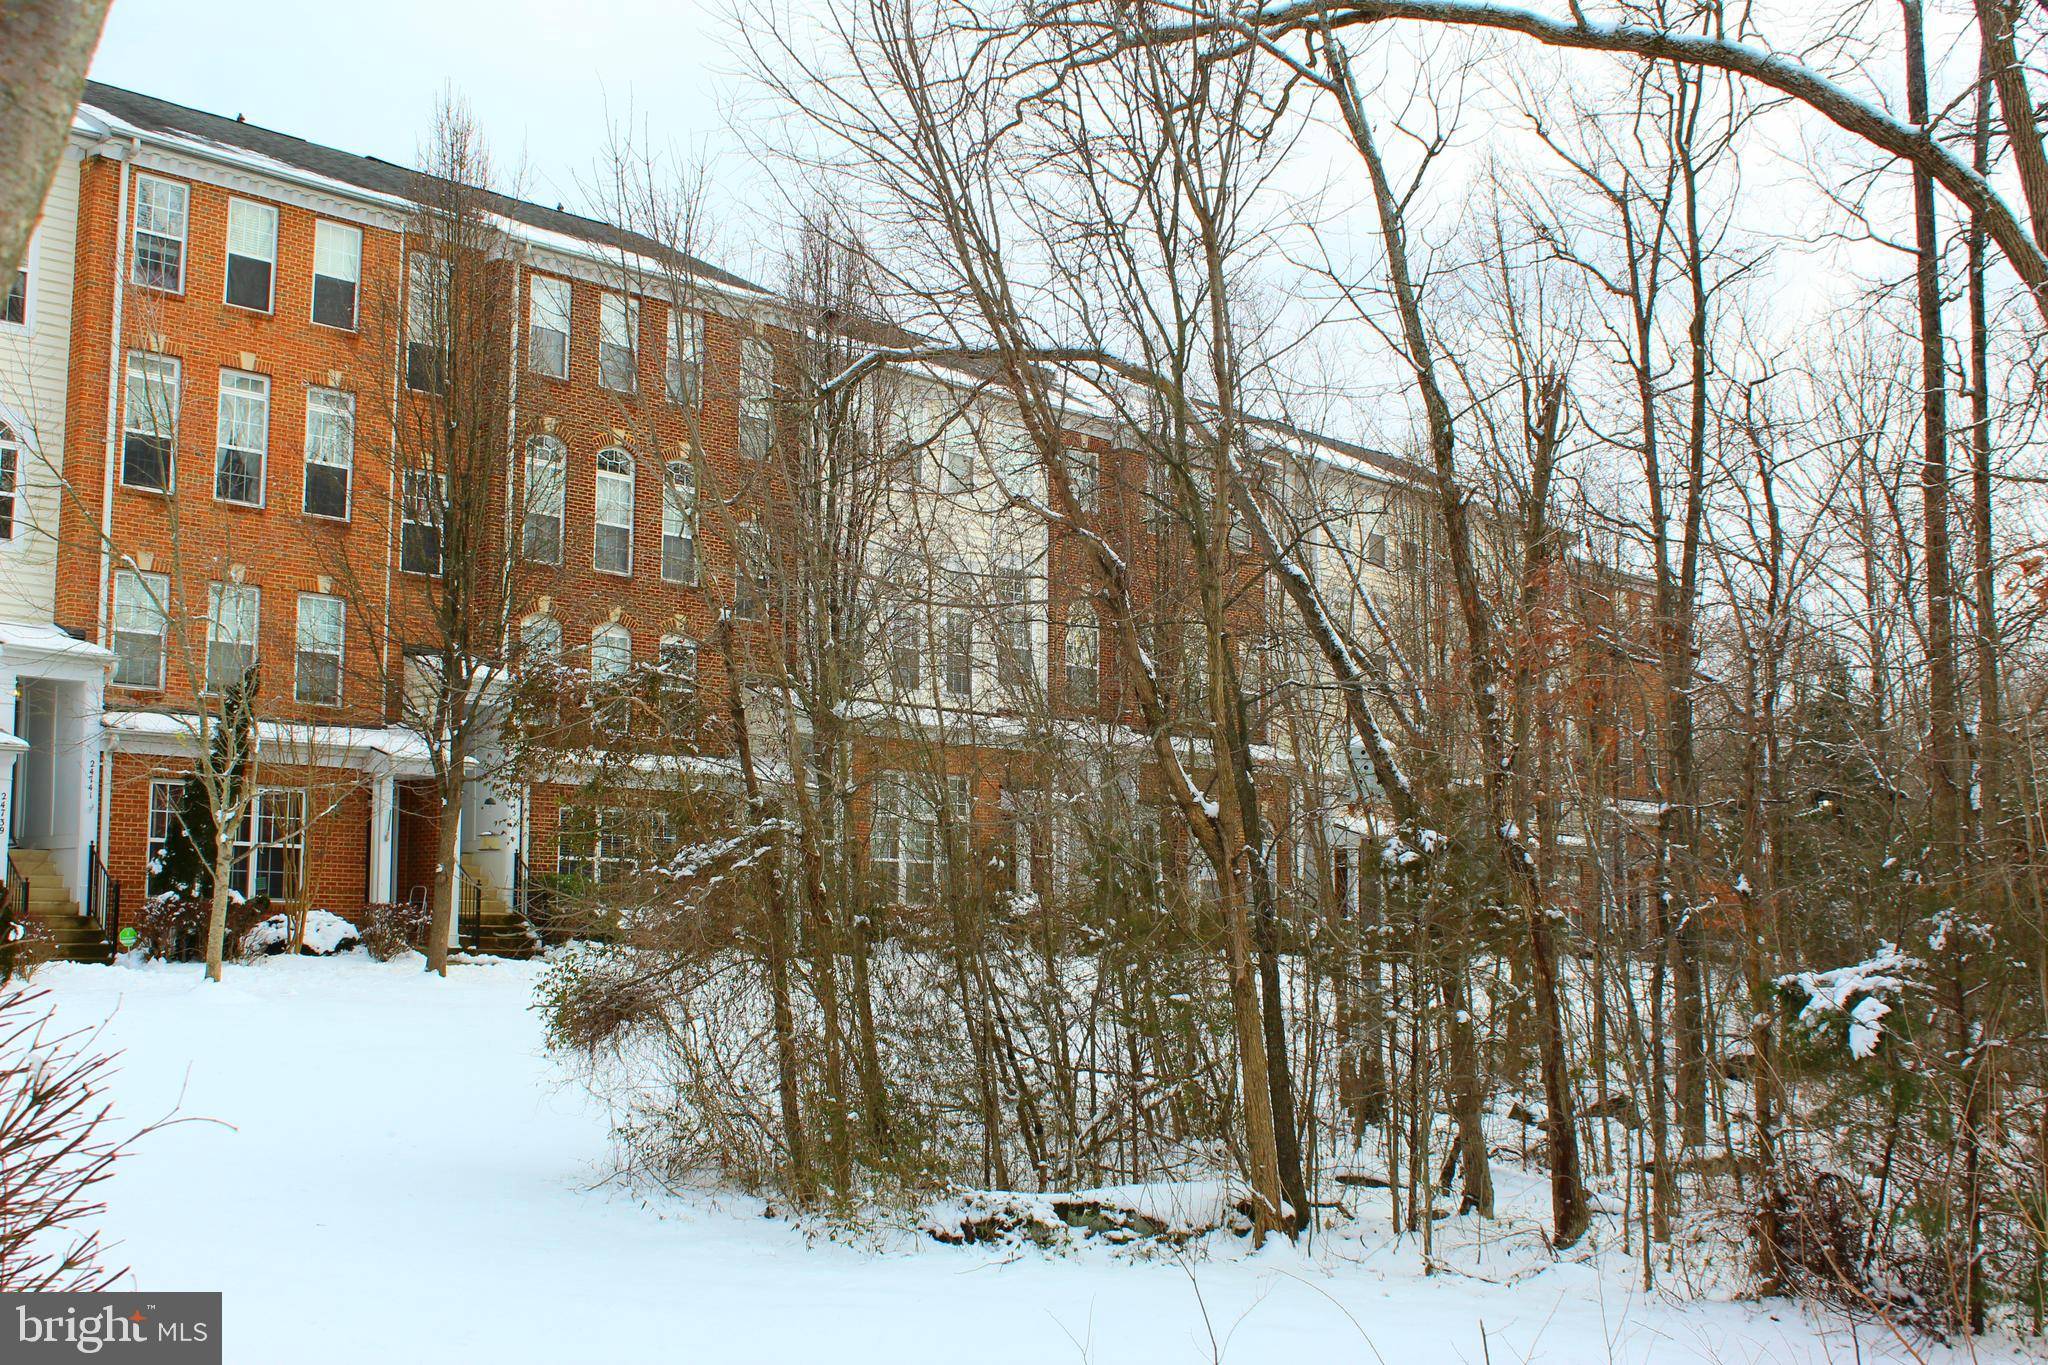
(367, 173)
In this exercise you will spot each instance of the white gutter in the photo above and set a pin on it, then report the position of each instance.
(102, 626)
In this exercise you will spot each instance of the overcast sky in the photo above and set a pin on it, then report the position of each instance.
(543, 76)
(364, 76)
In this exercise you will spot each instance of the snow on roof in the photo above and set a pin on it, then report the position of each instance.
(128, 113)
(40, 637)
(403, 750)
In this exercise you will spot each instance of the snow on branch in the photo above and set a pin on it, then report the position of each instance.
(1858, 996)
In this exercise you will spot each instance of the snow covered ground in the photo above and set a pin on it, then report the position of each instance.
(392, 1170)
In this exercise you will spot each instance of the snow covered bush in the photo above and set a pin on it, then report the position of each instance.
(391, 928)
(324, 934)
(174, 928)
(1849, 1004)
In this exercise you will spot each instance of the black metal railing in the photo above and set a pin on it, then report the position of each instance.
(102, 896)
(13, 908)
(469, 909)
(17, 891)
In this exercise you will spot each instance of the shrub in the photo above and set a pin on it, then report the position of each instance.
(174, 929)
(390, 928)
(54, 1148)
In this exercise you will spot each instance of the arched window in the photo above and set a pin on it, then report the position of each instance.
(540, 641)
(679, 523)
(611, 652)
(547, 488)
(1084, 655)
(612, 545)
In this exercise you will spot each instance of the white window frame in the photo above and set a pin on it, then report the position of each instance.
(1014, 620)
(605, 641)
(228, 254)
(437, 484)
(902, 820)
(355, 281)
(956, 653)
(618, 314)
(679, 518)
(248, 601)
(1083, 627)
(547, 482)
(166, 794)
(13, 453)
(272, 809)
(956, 456)
(543, 291)
(257, 392)
(153, 386)
(750, 566)
(25, 273)
(137, 232)
(1084, 477)
(677, 655)
(757, 398)
(150, 597)
(613, 832)
(338, 406)
(319, 648)
(428, 279)
(683, 373)
(616, 477)
(905, 651)
(540, 634)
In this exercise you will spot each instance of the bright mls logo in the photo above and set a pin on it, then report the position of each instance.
(165, 1329)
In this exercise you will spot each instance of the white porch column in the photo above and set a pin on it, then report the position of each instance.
(455, 886)
(10, 746)
(383, 838)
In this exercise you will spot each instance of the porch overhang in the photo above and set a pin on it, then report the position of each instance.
(377, 751)
(39, 650)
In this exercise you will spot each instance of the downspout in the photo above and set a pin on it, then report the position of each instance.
(102, 607)
(391, 507)
(514, 525)
(102, 610)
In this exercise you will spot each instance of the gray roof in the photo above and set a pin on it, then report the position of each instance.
(368, 172)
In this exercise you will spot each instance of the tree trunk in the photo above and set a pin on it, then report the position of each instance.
(1467, 1098)
(223, 882)
(779, 954)
(45, 47)
(1943, 777)
(1990, 717)
(447, 876)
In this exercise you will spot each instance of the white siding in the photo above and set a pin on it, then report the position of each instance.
(34, 369)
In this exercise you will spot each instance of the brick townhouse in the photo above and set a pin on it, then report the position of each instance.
(222, 491)
(209, 477)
